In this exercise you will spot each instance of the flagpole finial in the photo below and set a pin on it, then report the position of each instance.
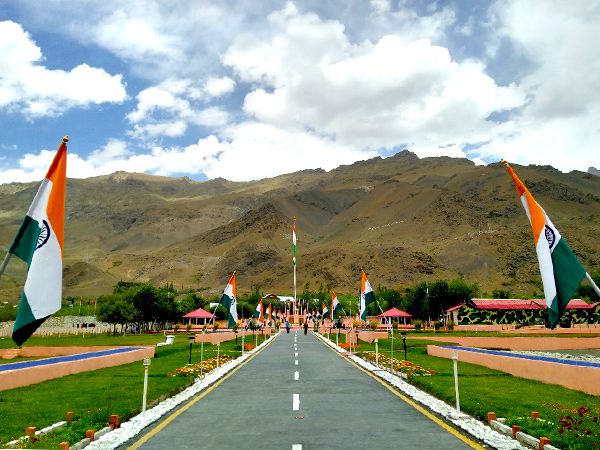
(66, 139)
(294, 217)
(503, 161)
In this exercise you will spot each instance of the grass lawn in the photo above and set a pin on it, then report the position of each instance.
(482, 390)
(94, 396)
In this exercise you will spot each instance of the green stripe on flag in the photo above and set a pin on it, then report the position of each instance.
(26, 240)
(568, 275)
(25, 323)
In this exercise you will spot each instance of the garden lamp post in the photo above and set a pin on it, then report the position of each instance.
(191, 338)
(218, 350)
(146, 364)
(392, 356)
(455, 360)
(404, 342)
(377, 352)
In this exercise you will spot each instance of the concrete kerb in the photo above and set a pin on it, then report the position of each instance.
(447, 413)
(38, 434)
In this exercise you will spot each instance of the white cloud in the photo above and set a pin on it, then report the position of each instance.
(30, 88)
(381, 6)
(252, 151)
(559, 123)
(216, 87)
(367, 95)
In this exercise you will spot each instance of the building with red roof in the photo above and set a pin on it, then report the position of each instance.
(479, 311)
(197, 317)
(395, 314)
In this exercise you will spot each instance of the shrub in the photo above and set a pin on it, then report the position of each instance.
(216, 326)
(450, 325)
(374, 324)
(437, 325)
(188, 327)
(418, 324)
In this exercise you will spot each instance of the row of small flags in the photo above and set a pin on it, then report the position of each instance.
(40, 243)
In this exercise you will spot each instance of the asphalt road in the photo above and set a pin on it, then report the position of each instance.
(338, 407)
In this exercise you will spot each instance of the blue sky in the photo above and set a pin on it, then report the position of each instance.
(247, 90)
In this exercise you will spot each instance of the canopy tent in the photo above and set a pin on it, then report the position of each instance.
(196, 316)
(395, 313)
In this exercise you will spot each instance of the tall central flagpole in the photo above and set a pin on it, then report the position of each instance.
(294, 261)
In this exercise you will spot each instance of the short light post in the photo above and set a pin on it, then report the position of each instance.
(392, 356)
(377, 352)
(146, 365)
(243, 334)
(191, 338)
(455, 359)
(404, 342)
(218, 349)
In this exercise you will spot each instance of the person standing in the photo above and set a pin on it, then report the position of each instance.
(305, 327)
(287, 326)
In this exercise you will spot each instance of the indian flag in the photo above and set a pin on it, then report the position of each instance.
(258, 312)
(561, 271)
(39, 242)
(294, 243)
(366, 296)
(335, 305)
(269, 316)
(229, 301)
(325, 314)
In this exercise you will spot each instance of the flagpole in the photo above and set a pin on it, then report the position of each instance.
(594, 286)
(294, 244)
(5, 262)
(202, 340)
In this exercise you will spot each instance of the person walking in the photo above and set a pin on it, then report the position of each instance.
(287, 326)
(305, 327)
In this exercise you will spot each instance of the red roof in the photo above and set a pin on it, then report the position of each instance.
(454, 308)
(575, 303)
(509, 303)
(199, 313)
(517, 303)
(394, 312)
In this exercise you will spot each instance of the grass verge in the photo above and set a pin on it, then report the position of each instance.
(94, 396)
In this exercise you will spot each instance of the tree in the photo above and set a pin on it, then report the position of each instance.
(437, 299)
(459, 291)
(414, 301)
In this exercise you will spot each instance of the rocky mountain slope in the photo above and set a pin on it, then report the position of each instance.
(402, 218)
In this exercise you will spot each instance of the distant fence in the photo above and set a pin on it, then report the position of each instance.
(66, 325)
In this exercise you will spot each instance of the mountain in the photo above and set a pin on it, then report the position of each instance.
(594, 171)
(403, 219)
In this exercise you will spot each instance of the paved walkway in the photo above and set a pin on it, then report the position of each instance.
(338, 407)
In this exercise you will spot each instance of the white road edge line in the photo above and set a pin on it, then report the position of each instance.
(296, 375)
(296, 363)
(297, 447)
(296, 402)
(296, 354)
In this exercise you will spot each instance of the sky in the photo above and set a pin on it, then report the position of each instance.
(245, 90)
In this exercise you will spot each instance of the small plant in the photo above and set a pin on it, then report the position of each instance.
(177, 327)
(356, 323)
(188, 327)
(374, 324)
(395, 325)
(216, 326)
(437, 325)
(235, 327)
(418, 325)
(450, 325)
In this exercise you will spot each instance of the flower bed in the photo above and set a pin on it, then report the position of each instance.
(346, 346)
(407, 367)
(565, 427)
(204, 368)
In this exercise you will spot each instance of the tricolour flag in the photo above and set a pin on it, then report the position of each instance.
(39, 242)
(366, 296)
(294, 244)
(269, 316)
(561, 271)
(335, 305)
(258, 312)
(325, 314)
(229, 301)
